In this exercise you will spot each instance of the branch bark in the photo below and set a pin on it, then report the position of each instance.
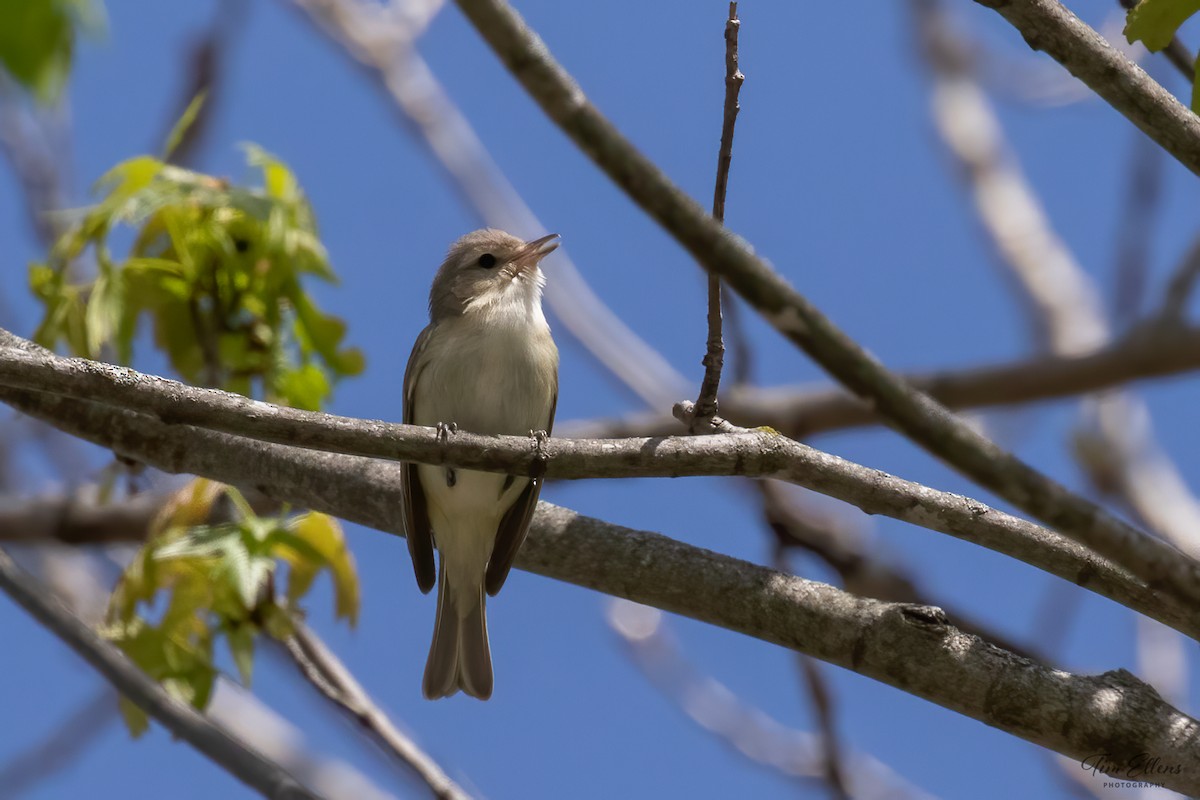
(1050, 26)
(911, 647)
(167, 409)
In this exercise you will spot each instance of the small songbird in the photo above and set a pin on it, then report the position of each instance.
(486, 363)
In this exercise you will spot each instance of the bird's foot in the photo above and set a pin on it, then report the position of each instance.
(445, 430)
(541, 458)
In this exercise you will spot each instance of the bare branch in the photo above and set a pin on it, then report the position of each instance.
(1048, 25)
(68, 741)
(750, 453)
(714, 357)
(1181, 285)
(237, 758)
(1148, 351)
(911, 647)
(910, 411)
(322, 668)
(1117, 446)
(749, 731)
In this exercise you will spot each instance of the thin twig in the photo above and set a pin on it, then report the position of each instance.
(818, 689)
(322, 668)
(237, 758)
(1181, 285)
(68, 742)
(748, 731)
(832, 760)
(714, 357)
(1142, 202)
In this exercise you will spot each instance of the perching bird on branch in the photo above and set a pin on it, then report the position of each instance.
(486, 363)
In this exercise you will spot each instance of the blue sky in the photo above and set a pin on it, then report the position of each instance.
(837, 178)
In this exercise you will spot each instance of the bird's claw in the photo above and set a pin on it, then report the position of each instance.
(540, 457)
(445, 430)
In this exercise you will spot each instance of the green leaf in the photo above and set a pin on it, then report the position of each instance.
(1154, 22)
(241, 647)
(305, 388)
(202, 541)
(186, 120)
(135, 719)
(278, 180)
(323, 534)
(36, 40)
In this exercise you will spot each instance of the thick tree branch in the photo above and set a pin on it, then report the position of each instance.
(911, 647)
(237, 758)
(762, 454)
(915, 414)
(1050, 26)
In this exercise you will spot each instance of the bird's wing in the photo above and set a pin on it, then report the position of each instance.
(416, 509)
(515, 524)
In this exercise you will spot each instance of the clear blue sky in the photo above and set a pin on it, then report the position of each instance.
(837, 179)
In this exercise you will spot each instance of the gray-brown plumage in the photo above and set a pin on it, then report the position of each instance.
(486, 363)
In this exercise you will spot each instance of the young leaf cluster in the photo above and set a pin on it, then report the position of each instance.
(195, 583)
(216, 267)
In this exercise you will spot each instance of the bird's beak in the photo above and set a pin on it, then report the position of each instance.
(533, 252)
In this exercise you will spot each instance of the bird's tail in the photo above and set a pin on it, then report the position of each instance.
(459, 657)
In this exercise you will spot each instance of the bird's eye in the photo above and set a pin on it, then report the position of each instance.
(487, 261)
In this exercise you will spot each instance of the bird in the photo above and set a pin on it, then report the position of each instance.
(486, 363)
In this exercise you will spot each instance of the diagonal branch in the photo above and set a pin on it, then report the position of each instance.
(1050, 26)
(1152, 350)
(237, 758)
(322, 668)
(915, 414)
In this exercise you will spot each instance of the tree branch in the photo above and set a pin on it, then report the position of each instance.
(322, 668)
(237, 758)
(907, 646)
(912, 412)
(748, 731)
(761, 453)
(1050, 26)
(1151, 350)
(714, 359)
